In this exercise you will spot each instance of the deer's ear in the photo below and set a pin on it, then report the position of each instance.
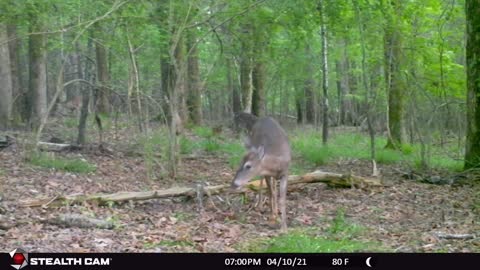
(260, 151)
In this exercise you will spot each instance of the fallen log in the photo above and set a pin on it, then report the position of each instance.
(331, 179)
(57, 147)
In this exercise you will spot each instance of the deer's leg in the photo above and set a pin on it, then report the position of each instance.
(272, 192)
(260, 194)
(283, 201)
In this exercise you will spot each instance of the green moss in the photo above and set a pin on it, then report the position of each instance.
(59, 163)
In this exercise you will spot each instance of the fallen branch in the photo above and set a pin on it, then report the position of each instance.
(54, 147)
(331, 179)
(443, 235)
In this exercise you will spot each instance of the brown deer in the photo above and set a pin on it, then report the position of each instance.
(268, 156)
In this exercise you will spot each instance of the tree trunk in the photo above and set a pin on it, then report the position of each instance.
(180, 81)
(5, 80)
(325, 74)
(246, 82)
(18, 93)
(299, 109)
(194, 100)
(258, 95)
(88, 74)
(38, 72)
(343, 88)
(233, 88)
(166, 84)
(73, 71)
(102, 100)
(394, 81)
(310, 110)
(472, 148)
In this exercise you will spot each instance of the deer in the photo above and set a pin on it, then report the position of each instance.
(72, 106)
(244, 121)
(268, 156)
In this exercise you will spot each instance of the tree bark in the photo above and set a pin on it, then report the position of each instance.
(85, 89)
(18, 92)
(233, 88)
(102, 100)
(38, 72)
(258, 95)
(180, 81)
(166, 71)
(324, 74)
(5, 80)
(394, 81)
(194, 100)
(309, 88)
(472, 148)
(246, 82)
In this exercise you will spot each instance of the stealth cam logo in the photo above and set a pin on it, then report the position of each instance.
(19, 258)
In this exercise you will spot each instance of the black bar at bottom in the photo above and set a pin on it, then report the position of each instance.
(212, 261)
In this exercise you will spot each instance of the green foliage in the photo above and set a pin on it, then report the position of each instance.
(308, 146)
(60, 163)
(311, 150)
(203, 132)
(341, 226)
(70, 122)
(340, 237)
(302, 242)
(388, 156)
(156, 143)
(211, 145)
(235, 152)
(186, 145)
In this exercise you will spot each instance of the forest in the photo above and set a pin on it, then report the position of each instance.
(136, 126)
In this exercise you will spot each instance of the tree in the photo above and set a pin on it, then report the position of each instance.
(102, 100)
(472, 148)
(18, 92)
(5, 80)
(258, 82)
(194, 100)
(393, 75)
(37, 67)
(324, 73)
(246, 68)
(309, 84)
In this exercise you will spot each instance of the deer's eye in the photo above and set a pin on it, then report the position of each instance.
(248, 166)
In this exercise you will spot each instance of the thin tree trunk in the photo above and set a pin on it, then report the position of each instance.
(395, 86)
(246, 82)
(180, 81)
(5, 80)
(103, 75)
(194, 100)
(258, 95)
(38, 72)
(18, 92)
(142, 124)
(324, 73)
(368, 95)
(310, 104)
(232, 86)
(89, 77)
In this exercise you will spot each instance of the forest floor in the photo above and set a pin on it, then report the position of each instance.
(402, 216)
